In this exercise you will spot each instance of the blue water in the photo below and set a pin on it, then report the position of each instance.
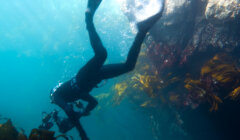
(45, 41)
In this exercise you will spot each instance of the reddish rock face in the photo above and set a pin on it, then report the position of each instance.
(188, 27)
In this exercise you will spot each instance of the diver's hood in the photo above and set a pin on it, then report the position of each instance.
(52, 92)
(56, 87)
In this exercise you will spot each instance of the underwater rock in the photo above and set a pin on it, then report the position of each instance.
(222, 10)
(169, 28)
(218, 27)
(192, 26)
(185, 45)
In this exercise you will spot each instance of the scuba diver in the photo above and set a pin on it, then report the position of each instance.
(94, 71)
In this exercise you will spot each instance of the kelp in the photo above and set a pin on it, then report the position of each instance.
(218, 73)
(214, 100)
(144, 81)
(235, 94)
(222, 68)
(194, 86)
(120, 88)
(9, 132)
(148, 83)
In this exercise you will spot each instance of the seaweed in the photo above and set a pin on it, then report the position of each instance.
(9, 132)
(218, 73)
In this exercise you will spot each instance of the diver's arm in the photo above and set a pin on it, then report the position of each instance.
(73, 116)
(92, 103)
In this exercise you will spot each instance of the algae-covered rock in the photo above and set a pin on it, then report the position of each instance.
(184, 44)
(222, 10)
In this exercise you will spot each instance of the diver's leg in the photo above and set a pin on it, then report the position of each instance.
(74, 118)
(77, 124)
(94, 38)
(113, 70)
(93, 66)
(92, 6)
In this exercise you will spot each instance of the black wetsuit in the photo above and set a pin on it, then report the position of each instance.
(94, 72)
